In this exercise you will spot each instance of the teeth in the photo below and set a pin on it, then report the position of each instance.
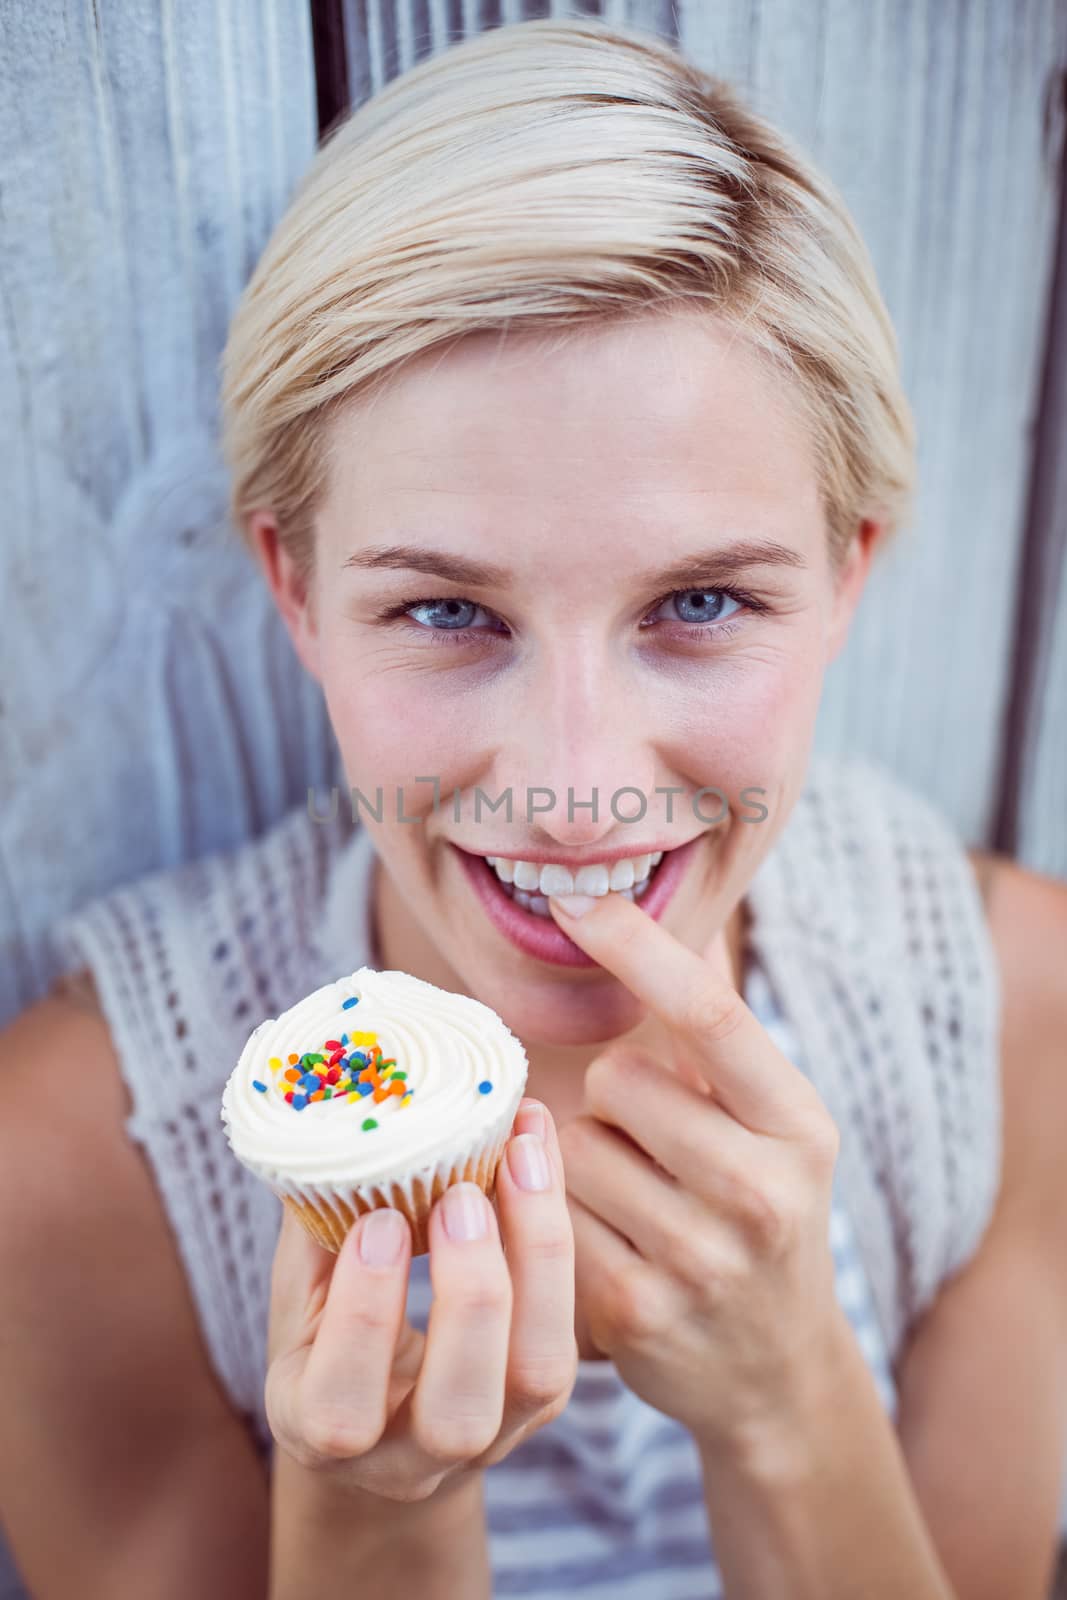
(553, 878)
(556, 880)
(527, 876)
(593, 880)
(622, 875)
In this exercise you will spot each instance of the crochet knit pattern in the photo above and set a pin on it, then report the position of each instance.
(865, 917)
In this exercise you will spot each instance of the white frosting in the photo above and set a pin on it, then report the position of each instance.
(446, 1043)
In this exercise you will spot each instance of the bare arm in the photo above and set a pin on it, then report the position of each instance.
(123, 1468)
(963, 1500)
(983, 1417)
(824, 1509)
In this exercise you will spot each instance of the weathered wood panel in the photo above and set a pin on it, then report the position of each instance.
(1032, 823)
(931, 118)
(152, 706)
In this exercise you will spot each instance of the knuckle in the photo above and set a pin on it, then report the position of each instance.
(765, 1218)
(610, 1070)
(689, 1139)
(771, 1224)
(577, 1135)
(450, 1441)
(544, 1387)
(600, 1074)
(370, 1321)
(332, 1436)
(823, 1140)
(712, 1015)
(486, 1295)
(634, 1307)
(687, 1258)
(549, 1248)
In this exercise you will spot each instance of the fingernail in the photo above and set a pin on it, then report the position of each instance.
(527, 1162)
(466, 1212)
(531, 1119)
(381, 1237)
(575, 905)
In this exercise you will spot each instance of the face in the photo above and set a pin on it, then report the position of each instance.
(581, 604)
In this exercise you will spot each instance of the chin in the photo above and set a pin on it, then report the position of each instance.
(548, 1008)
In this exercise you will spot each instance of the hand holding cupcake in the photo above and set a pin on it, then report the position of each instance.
(381, 1100)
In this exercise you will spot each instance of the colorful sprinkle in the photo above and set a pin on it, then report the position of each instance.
(342, 1069)
(346, 1005)
(485, 1086)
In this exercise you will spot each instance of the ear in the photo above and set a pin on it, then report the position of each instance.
(292, 594)
(850, 582)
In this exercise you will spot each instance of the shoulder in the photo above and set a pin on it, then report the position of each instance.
(984, 1376)
(105, 1375)
(1027, 917)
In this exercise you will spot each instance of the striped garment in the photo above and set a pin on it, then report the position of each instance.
(608, 1499)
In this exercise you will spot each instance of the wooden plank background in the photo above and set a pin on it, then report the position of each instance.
(151, 707)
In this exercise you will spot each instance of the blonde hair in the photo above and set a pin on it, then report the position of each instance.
(541, 175)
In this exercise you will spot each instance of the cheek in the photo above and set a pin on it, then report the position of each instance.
(391, 731)
(749, 723)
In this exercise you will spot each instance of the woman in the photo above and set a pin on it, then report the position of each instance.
(565, 423)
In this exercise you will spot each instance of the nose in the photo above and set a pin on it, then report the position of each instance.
(582, 757)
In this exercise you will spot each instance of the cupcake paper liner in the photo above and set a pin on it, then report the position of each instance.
(328, 1211)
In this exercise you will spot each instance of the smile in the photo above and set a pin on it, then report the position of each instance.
(514, 893)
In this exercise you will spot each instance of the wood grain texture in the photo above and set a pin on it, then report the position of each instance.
(930, 118)
(1032, 816)
(152, 707)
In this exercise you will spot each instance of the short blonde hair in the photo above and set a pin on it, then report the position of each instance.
(538, 176)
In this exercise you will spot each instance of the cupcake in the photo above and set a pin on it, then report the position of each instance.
(376, 1090)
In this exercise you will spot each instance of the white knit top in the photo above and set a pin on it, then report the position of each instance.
(867, 948)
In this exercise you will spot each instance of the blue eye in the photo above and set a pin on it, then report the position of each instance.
(451, 613)
(697, 606)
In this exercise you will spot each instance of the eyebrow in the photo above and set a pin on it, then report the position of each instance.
(714, 564)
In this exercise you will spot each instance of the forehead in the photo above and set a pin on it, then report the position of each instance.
(673, 415)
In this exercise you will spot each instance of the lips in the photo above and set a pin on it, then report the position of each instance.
(539, 936)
